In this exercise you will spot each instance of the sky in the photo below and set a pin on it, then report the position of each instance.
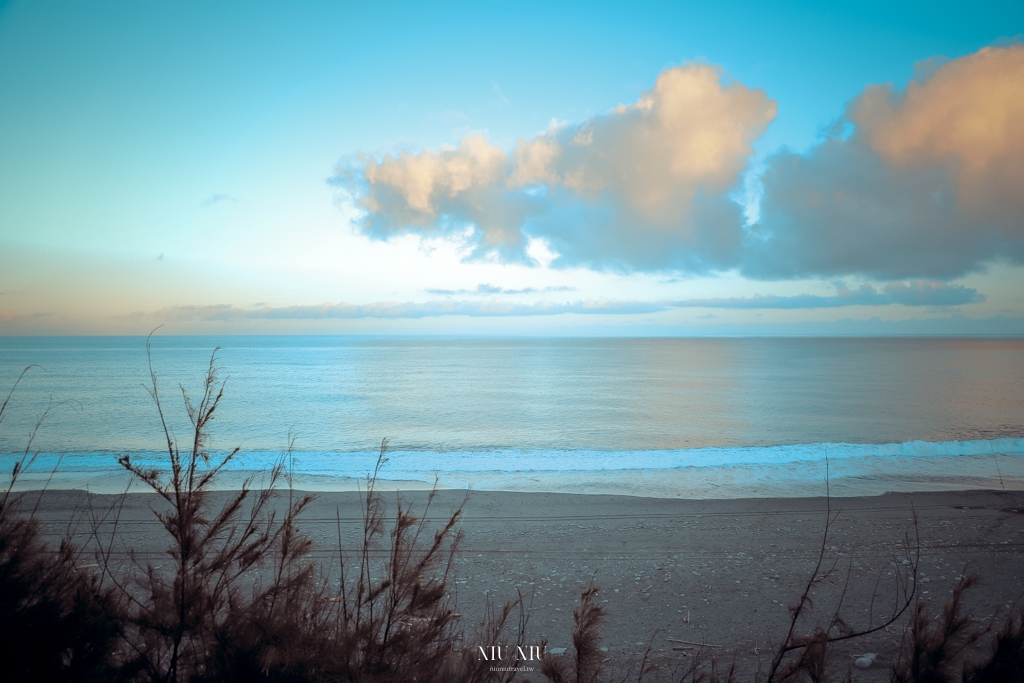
(623, 169)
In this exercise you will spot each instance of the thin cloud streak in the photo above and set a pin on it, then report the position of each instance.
(13, 318)
(217, 199)
(409, 310)
(914, 294)
(936, 294)
(485, 289)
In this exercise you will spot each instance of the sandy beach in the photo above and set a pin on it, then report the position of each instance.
(720, 572)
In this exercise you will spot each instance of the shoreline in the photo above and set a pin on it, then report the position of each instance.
(718, 571)
(785, 480)
(799, 470)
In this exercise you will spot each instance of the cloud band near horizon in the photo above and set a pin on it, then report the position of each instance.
(931, 294)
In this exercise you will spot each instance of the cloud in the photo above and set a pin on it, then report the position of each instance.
(923, 183)
(929, 185)
(952, 325)
(644, 186)
(914, 294)
(968, 114)
(922, 293)
(492, 289)
(216, 199)
(413, 310)
(13, 318)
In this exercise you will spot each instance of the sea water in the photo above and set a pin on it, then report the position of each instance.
(663, 417)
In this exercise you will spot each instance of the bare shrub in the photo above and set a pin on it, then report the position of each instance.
(179, 620)
(402, 625)
(1006, 661)
(806, 656)
(56, 622)
(936, 645)
(244, 602)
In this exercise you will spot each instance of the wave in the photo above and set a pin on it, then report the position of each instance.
(720, 472)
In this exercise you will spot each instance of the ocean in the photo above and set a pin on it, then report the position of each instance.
(704, 418)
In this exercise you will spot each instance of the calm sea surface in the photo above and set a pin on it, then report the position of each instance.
(515, 408)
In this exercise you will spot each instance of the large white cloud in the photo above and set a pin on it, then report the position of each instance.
(689, 134)
(444, 190)
(925, 182)
(968, 115)
(645, 186)
(930, 183)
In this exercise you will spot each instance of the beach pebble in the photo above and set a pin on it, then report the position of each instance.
(862, 662)
(556, 651)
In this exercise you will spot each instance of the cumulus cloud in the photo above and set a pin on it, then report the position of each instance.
(930, 183)
(924, 182)
(442, 191)
(644, 186)
(969, 114)
(922, 293)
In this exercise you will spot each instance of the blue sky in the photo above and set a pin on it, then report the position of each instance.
(237, 167)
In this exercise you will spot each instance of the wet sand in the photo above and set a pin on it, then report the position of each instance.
(720, 572)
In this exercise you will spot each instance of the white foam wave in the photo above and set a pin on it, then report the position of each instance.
(795, 470)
